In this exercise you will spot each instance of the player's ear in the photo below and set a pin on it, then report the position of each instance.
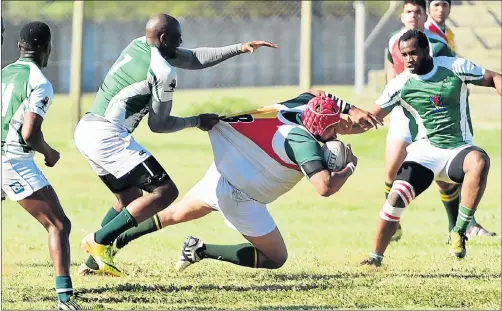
(402, 17)
(162, 38)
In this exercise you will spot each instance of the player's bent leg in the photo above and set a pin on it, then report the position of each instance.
(395, 153)
(44, 206)
(412, 179)
(266, 252)
(271, 250)
(125, 194)
(469, 167)
(150, 177)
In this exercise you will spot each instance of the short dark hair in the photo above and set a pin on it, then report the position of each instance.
(430, 1)
(421, 3)
(421, 38)
(35, 35)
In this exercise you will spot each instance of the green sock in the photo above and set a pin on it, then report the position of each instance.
(451, 202)
(152, 224)
(242, 254)
(64, 288)
(387, 189)
(472, 223)
(91, 263)
(112, 213)
(464, 217)
(115, 227)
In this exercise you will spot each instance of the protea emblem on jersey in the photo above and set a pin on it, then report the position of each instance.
(437, 103)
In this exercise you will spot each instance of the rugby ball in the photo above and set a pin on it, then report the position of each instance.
(335, 155)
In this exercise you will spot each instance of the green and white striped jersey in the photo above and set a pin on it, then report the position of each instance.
(24, 88)
(139, 76)
(436, 102)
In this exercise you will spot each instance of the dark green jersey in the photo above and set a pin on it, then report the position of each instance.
(436, 102)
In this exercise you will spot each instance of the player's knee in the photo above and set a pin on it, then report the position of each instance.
(59, 225)
(479, 163)
(167, 192)
(278, 261)
(443, 186)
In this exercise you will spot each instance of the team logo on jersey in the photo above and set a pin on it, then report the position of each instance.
(437, 103)
(44, 103)
(172, 85)
(16, 187)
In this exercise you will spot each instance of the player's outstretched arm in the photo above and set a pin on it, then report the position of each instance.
(492, 79)
(205, 57)
(328, 183)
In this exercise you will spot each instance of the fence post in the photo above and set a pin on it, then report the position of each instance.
(76, 61)
(306, 46)
(360, 19)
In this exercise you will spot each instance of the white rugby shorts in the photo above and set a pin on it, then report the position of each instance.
(108, 148)
(436, 159)
(399, 126)
(21, 178)
(240, 212)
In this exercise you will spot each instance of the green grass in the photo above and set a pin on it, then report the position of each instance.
(326, 237)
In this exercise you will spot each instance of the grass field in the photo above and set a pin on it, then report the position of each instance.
(326, 237)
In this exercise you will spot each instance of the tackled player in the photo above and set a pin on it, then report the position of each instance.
(141, 81)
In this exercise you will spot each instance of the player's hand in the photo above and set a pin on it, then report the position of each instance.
(317, 93)
(344, 127)
(364, 119)
(208, 120)
(251, 46)
(350, 155)
(51, 157)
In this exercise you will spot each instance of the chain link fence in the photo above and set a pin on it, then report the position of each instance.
(111, 25)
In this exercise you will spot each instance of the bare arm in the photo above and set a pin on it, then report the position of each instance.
(328, 183)
(34, 138)
(492, 79)
(32, 133)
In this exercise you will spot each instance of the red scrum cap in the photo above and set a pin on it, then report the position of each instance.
(320, 113)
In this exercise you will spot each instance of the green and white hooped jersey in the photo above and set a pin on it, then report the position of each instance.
(24, 88)
(436, 103)
(139, 76)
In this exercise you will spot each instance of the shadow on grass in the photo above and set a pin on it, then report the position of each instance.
(327, 277)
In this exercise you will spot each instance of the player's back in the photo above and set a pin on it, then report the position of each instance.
(24, 88)
(126, 91)
(261, 153)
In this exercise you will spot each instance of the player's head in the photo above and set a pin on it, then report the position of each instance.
(414, 48)
(164, 32)
(439, 10)
(414, 14)
(35, 42)
(320, 117)
(3, 28)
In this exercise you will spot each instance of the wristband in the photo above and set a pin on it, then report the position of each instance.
(343, 105)
(352, 167)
